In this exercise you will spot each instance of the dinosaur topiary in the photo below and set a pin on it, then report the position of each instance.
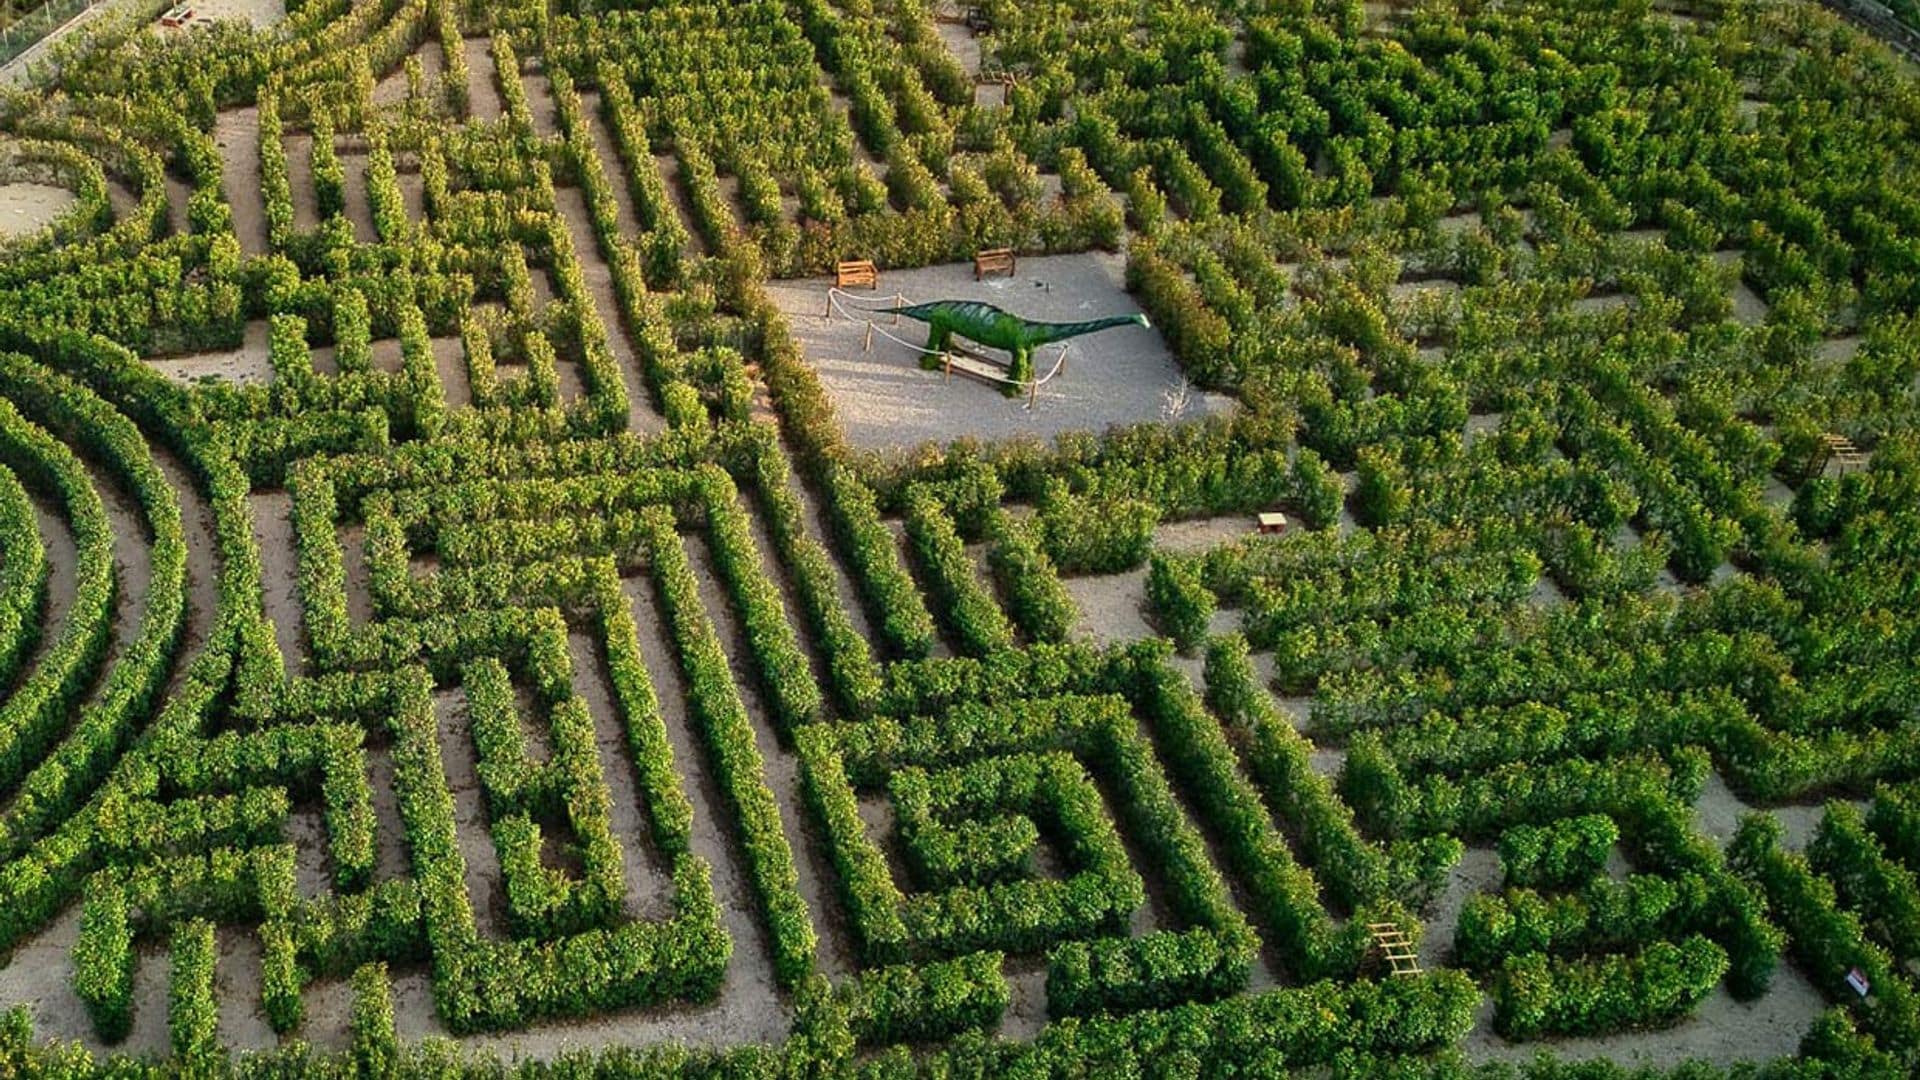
(1000, 329)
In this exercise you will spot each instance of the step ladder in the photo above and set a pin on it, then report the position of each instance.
(1395, 947)
(1836, 450)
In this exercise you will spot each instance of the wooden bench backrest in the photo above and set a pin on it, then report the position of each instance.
(856, 272)
(993, 260)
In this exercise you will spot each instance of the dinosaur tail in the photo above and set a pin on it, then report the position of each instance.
(922, 312)
(1046, 333)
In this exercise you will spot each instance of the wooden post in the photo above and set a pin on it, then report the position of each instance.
(1033, 392)
(829, 314)
(868, 347)
(946, 362)
(896, 303)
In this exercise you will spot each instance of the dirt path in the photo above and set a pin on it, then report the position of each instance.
(540, 104)
(237, 980)
(132, 562)
(483, 93)
(460, 763)
(63, 566)
(945, 642)
(237, 133)
(178, 193)
(749, 1008)
(571, 202)
(450, 363)
(390, 859)
(615, 169)
(669, 167)
(354, 193)
(783, 768)
(203, 559)
(26, 208)
(814, 522)
(306, 207)
(279, 573)
(649, 892)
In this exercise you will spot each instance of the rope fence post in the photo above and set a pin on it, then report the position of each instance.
(868, 347)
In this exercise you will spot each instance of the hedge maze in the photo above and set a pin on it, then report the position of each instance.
(445, 627)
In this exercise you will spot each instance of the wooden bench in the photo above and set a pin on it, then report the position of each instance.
(1835, 450)
(1002, 79)
(858, 273)
(1272, 524)
(177, 17)
(993, 261)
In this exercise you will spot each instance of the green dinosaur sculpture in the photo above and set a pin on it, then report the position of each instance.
(999, 329)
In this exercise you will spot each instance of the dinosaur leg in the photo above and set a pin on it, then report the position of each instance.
(938, 337)
(1021, 372)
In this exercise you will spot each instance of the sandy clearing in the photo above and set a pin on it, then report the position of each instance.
(237, 979)
(237, 133)
(272, 513)
(1720, 1030)
(26, 208)
(306, 205)
(611, 165)
(648, 880)
(483, 93)
(460, 763)
(450, 363)
(750, 1008)
(571, 203)
(962, 43)
(63, 566)
(354, 194)
(782, 768)
(259, 14)
(540, 104)
(669, 167)
(247, 365)
(884, 400)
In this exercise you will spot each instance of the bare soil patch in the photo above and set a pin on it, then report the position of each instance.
(669, 167)
(247, 365)
(648, 882)
(306, 205)
(279, 573)
(354, 193)
(483, 91)
(572, 206)
(886, 401)
(450, 363)
(962, 43)
(178, 194)
(27, 208)
(782, 769)
(460, 762)
(611, 165)
(237, 133)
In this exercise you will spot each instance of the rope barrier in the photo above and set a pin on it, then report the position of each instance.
(837, 299)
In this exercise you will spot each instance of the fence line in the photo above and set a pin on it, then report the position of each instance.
(37, 25)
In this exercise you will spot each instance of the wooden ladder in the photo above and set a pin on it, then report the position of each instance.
(1836, 450)
(1395, 947)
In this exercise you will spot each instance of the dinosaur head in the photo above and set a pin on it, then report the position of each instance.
(1143, 320)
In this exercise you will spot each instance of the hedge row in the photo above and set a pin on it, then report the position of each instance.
(925, 1002)
(1558, 854)
(968, 607)
(23, 576)
(1536, 995)
(735, 755)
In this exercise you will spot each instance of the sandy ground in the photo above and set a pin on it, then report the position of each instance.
(27, 208)
(884, 399)
(483, 94)
(669, 167)
(1113, 606)
(63, 566)
(353, 559)
(306, 207)
(961, 42)
(781, 769)
(648, 880)
(392, 87)
(571, 203)
(611, 166)
(541, 105)
(1720, 1030)
(1477, 871)
(279, 573)
(749, 1008)
(203, 585)
(132, 563)
(246, 365)
(359, 209)
(237, 133)
(260, 14)
(460, 762)
(450, 363)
